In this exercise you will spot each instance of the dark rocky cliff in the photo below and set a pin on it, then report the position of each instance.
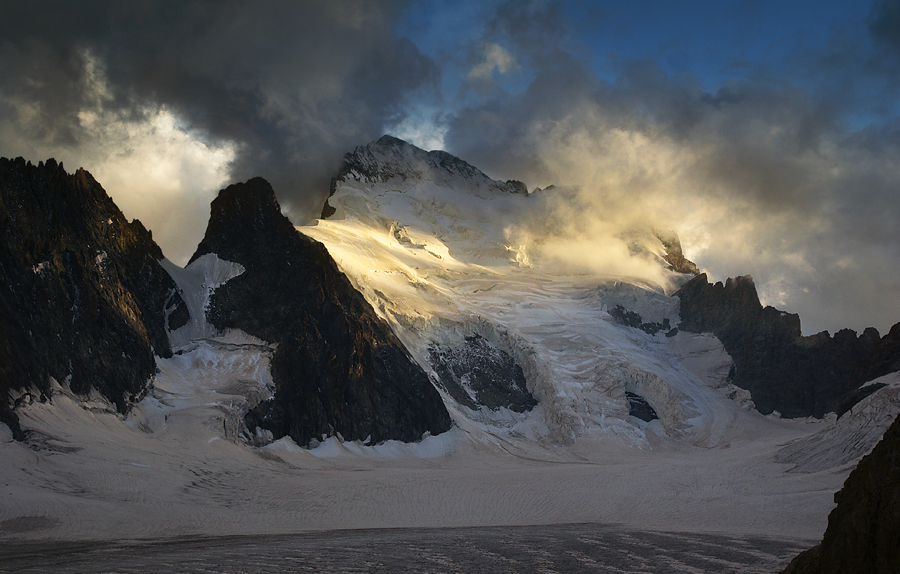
(338, 368)
(784, 371)
(83, 298)
(863, 534)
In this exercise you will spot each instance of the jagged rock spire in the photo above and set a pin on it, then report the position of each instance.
(338, 368)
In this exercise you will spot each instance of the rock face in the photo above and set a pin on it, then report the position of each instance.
(338, 368)
(674, 255)
(784, 371)
(623, 316)
(882, 360)
(390, 159)
(478, 374)
(83, 298)
(863, 534)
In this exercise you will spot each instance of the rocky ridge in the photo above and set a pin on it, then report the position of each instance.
(85, 302)
(338, 369)
(674, 255)
(784, 371)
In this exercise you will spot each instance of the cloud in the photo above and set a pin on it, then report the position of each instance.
(287, 87)
(783, 168)
(771, 175)
(884, 23)
(495, 58)
(154, 169)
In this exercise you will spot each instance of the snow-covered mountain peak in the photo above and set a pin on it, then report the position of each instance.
(392, 160)
(447, 260)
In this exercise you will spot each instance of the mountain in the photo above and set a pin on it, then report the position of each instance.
(85, 303)
(427, 222)
(422, 357)
(338, 369)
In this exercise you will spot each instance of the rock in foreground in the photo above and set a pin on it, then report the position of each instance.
(863, 534)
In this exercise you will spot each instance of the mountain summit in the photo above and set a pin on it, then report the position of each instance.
(390, 160)
(252, 385)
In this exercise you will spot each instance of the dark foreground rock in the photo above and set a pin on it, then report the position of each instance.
(784, 371)
(338, 368)
(863, 534)
(478, 374)
(83, 298)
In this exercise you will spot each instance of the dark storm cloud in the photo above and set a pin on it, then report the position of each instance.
(785, 171)
(884, 23)
(293, 84)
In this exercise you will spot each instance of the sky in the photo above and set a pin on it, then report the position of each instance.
(764, 133)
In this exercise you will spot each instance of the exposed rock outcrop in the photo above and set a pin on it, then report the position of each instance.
(863, 534)
(338, 368)
(84, 299)
(478, 374)
(882, 360)
(391, 159)
(674, 255)
(623, 316)
(784, 371)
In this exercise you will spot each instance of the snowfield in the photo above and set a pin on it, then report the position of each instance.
(439, 264)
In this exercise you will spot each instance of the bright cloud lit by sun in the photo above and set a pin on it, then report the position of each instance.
(770, 148)
(160, 174)
(153, 168)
